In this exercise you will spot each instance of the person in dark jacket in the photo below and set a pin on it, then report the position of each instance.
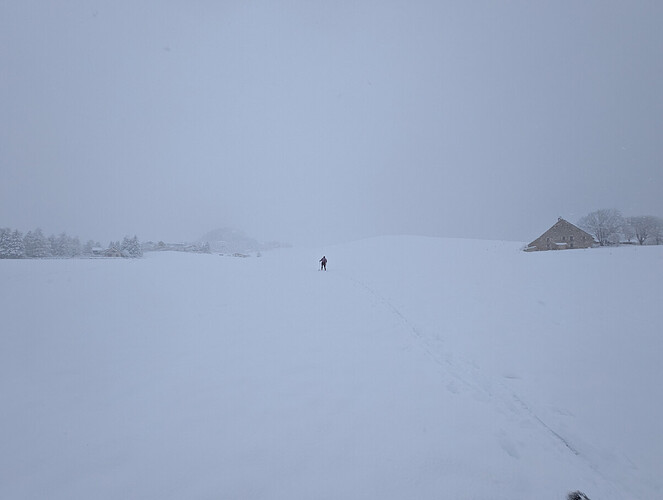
(323, 263)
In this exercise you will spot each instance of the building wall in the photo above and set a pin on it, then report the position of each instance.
(562, 235)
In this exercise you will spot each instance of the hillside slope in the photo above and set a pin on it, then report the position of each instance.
(413, 368)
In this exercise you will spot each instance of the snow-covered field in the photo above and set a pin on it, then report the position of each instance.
(414, 368)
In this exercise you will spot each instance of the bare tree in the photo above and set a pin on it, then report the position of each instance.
(628, 231)
(644, 226)
(605, 225)
(657, 232)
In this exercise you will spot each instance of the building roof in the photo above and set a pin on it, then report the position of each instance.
(561, 224)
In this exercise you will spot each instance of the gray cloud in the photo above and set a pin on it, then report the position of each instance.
(324, 121)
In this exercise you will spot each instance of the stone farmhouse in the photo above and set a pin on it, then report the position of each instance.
(561, 236)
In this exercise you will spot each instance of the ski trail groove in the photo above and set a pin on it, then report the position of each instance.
(423, 344)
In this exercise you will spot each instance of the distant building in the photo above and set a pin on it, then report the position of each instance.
(563, 235)
(112, 252)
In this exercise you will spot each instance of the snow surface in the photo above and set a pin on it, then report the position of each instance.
(413, 368)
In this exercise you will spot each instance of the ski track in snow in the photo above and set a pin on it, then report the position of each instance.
(453, 368)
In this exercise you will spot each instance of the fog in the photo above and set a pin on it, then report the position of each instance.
(320, 122)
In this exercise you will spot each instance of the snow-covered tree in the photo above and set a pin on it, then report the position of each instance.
(52, 245)
(137, 248)
(5, 234)
(131, 247)
(58, 245)
(64, 246)
(17, 249)
(605, 225)
(29, 245)
(87, 248)
(73, 247)
(36, 245)
(124, 248)
(11, 244)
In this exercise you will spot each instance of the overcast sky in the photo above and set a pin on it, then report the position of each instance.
(325, 121)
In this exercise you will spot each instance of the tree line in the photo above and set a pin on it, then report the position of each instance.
(610, 227)
(35, 245)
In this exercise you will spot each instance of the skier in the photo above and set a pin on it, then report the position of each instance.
(323, 263)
